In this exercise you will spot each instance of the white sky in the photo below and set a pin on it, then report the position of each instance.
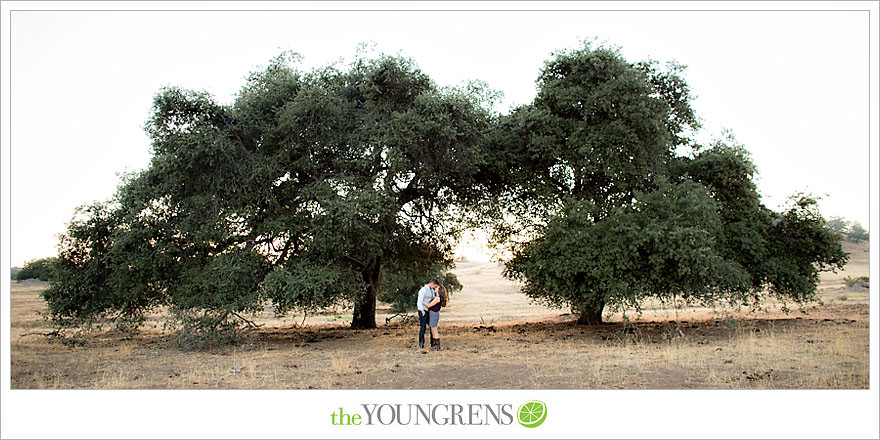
(792, 86)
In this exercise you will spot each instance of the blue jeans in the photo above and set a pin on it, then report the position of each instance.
(423, 322)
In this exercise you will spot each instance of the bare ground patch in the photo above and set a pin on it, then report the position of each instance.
(828, 349)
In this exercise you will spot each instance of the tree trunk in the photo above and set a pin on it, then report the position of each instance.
(591, 314)
(365, 310)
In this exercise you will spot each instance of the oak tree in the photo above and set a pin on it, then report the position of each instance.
(307, 191)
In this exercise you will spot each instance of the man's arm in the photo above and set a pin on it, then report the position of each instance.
(420, 300)
(433, 301)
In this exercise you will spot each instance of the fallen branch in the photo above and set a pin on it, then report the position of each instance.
(403, 317)
(250, 323)
(55, 333)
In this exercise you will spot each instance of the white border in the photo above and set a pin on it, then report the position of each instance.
(572, 414)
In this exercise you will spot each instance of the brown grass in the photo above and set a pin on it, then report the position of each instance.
(522, 346)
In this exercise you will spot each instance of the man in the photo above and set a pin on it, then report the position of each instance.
(426, 294)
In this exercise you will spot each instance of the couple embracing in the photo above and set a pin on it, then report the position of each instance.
(432, 296)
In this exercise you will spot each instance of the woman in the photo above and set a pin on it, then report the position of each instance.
(434, 316)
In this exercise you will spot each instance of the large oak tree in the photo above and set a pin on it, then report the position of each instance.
(307, 191)
(608, 201)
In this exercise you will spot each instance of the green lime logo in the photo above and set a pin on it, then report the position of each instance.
(532, 413)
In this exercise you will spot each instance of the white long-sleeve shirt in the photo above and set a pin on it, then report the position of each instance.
(426, 294)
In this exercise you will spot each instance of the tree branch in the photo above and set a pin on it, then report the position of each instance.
(250, 323)
(47, 334)
(360, 263)
(283, 258)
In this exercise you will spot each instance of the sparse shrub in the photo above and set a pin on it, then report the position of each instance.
(629, 332)
(730, 322)
(72, 340)
(198, 331)
(856, 282)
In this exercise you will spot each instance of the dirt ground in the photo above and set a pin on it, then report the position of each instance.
(493, 338)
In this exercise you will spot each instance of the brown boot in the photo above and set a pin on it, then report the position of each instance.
(435, 344)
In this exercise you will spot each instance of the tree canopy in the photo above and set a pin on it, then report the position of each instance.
(340, 185)
(621, 205)
(851, 230)
(307, 191)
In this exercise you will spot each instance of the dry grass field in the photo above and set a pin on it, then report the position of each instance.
(493, 338)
